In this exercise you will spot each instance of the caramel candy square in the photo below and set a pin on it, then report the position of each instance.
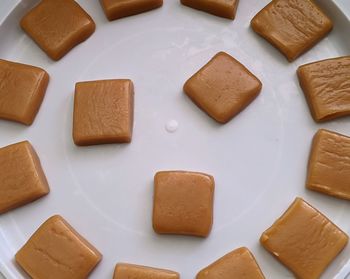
(57, 251)
(22, 90)
(183, 203)
(326, 85)
(304, 240)
(223, 87)
(115, 9)
(292, 26)
(58, 26)
(132, 271)
(222, 8)
(238, 264)
(22, 179)
(329, 164)
(103, 112)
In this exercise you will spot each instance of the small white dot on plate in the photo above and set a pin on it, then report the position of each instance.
(171, 126)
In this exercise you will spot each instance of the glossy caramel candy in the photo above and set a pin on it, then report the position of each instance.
(223, 87)
(304, 240)
(238, 264)
(326, 85)
(222, 8)
(22, 179)
(57, 251)
(329, 164)
(115, 9)
(292, 26)
(58, 26)
(183, 203)
(103, 112)
(132, 271)
(22, 90)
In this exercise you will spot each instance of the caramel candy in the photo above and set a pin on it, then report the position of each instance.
(103, 112)
(131, 271)
(223, 8)
(304, 240)
(115, 9)
(292, 26)
(183, 203)
(58, 26)
(326, 85)
(238, 264)
(22, 91)
(329, 164)
(57, 251)
(22, 179)
(223, 87)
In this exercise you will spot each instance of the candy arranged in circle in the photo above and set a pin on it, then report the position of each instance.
(127, 271)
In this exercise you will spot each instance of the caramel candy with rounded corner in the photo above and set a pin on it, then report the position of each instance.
(238, 264)
(22, 179)
(57, 251)
(304, 240)
(223, 87)
(292, 26)
(222, 8)
(326, 85)
(58, 26)
(115, 9)
(22, 91)
(103, 112)
(329, 164)
(127, 271)
(183, 203)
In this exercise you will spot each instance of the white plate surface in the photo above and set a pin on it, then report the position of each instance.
(258, 159)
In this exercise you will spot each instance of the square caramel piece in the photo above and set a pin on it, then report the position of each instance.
(128, 271)
(183, 203)
(304, 240)
(115, 9)
(222, 8)
(292, 26)
(329, 164)
(223, 87)
(103, 112)
(326, 87)
(57, 251)
(22, 179)
(22, 90)
(58, 26)
(238, 264)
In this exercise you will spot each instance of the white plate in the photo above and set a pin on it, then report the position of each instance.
(258, 159)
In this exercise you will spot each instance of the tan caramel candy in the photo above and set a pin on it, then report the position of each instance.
(329, 164)
(238, 264)
(58, 26)
(115, 9)
(223, 8)
(57, 251)
(304, 240)
(22, 179)
(183, 203)
(326, 85)
(22, 91)
(292, 26)
(131, 271)
(103, 112)
(223, 87)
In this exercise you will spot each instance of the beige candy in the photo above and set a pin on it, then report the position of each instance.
(132, 271)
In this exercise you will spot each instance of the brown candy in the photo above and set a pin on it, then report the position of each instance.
(22, 91)
(131, 271)
(58, 26)
(103, 112)
(22, 179)
(223, 87)
(57, 251)
(292, 26)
